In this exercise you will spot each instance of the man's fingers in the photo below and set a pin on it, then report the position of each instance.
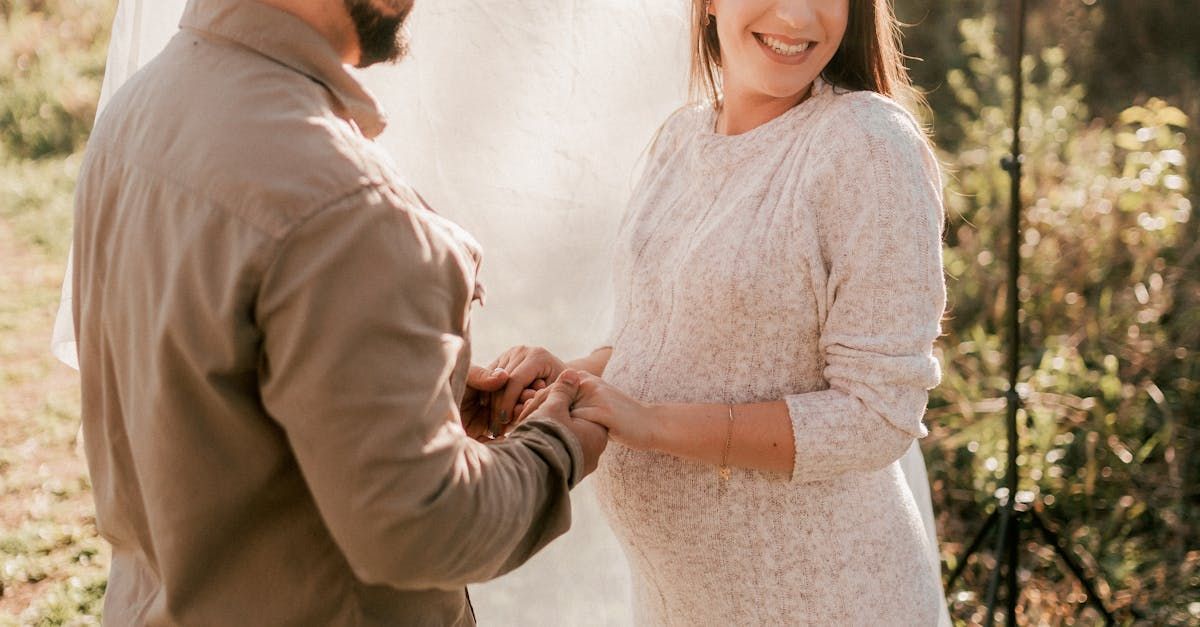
(532, 405)
(475, 414)
(475, 425)
(568, 377)
(558, 397)
(592, 416)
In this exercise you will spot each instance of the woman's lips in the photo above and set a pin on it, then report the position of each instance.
(783, 49)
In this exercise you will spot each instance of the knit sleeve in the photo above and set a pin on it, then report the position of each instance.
(878, 209)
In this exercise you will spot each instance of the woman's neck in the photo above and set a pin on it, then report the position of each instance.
(742, 110)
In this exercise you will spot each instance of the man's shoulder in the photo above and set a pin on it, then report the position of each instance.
(250, 135)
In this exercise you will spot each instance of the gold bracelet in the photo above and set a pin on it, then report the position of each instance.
(724, 468)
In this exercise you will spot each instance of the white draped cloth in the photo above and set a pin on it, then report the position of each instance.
(524, 123)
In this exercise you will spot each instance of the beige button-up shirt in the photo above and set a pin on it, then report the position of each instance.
(273, 340)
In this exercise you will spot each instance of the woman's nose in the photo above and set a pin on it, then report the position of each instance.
(796, 13)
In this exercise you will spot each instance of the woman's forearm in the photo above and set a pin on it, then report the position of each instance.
(594, 363)
(760, 436)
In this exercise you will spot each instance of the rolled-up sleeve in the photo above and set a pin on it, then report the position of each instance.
(881, 214)
(362, 315)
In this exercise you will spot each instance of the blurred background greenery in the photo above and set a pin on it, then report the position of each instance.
(1111, 298)
(1110, 292)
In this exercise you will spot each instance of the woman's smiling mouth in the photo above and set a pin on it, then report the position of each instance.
(784, 49)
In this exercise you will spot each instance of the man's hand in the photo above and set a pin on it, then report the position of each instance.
(555, 404)
(526, 366)
(626, 419)
(475, 409)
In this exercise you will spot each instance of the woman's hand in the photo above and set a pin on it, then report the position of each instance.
(529, 369)
(629, 421)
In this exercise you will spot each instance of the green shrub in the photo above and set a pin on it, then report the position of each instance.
(51, 63)
(52, 56)
(1109, 365)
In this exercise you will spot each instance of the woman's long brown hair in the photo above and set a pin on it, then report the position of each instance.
(870, 57)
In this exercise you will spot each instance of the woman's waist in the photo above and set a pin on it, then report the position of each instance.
(692, 522)
(643, 485)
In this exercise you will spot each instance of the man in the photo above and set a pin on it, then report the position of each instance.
(273, 340)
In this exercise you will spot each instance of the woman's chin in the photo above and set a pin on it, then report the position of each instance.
(778, 87)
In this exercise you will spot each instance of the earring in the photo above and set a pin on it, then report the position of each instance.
(707, 15)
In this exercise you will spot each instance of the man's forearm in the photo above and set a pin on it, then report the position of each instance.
(494, 507)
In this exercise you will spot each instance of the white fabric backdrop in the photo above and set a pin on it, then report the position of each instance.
(524, 122)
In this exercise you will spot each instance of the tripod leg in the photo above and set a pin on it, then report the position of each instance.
(1006, 516)
(1014, 535)
(1075, 567)
(979, 538)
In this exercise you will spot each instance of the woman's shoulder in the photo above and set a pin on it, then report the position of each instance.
(858, 120)
(686, 120)
(690, 116)
(674, 131)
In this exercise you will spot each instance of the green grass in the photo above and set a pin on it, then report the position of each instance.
(52, 561)
(36, 202)
(53, 564)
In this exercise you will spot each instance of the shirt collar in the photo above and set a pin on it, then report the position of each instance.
(287, 39)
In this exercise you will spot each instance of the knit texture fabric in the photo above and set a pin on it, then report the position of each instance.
(799, 261)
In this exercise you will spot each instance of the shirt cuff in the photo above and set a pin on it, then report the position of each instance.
(551, 429)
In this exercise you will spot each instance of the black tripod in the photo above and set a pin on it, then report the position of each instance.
(1008, 512)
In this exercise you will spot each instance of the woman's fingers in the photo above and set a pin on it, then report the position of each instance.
(518, 412)
(503, 402)
(486, 379)
(528, 367)
(506, 362)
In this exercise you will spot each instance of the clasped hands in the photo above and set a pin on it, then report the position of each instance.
(529, 382)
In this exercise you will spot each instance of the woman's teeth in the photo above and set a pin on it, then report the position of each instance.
(782, 48)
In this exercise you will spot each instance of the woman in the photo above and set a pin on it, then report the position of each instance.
(779, 289)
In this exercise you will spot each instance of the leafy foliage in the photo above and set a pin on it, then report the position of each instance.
(1110, 370)
(48, 91)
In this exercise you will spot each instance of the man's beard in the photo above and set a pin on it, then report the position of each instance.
(380, 34)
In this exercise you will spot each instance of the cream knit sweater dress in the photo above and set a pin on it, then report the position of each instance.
(799, 261)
